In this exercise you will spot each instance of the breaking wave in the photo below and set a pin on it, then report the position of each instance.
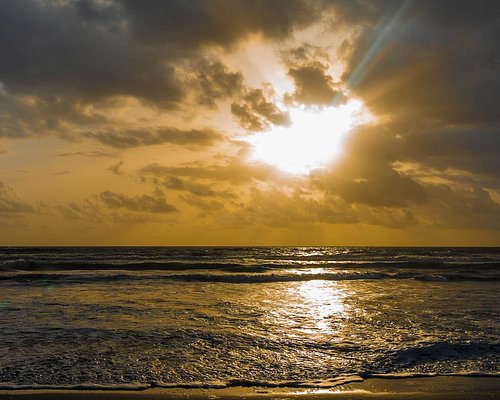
(238, 278)
(323, 384)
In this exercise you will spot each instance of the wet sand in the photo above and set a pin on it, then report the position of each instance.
(408, 388)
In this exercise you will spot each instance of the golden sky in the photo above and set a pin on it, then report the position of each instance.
(249, 122)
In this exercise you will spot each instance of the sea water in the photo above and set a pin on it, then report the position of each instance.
(135, 317)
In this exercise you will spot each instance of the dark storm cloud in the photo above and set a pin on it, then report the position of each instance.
(361, 12)
(192, 24)
(257, 110)
(148, 137)
(144, 203)
(431, 59)
(55, 48)
(90, 49)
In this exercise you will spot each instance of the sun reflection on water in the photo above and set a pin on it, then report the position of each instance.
(323, 302)
(312, 308)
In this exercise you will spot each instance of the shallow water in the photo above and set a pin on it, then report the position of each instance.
(177, 316)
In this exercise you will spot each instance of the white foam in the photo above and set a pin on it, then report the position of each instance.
(82, 386)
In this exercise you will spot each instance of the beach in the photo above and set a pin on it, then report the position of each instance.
(432, 388)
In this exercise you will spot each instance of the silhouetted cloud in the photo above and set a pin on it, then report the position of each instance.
(308, 67)
(257, 110)
(313, 86)
(216, 82)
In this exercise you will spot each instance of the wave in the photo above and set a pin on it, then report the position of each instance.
(320, 384)
(235, 278)
(272, 278)
(86, 265)
(79, 265)
(238, 278)
(444, 350)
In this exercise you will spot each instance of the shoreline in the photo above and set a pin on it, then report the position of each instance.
(432, 388)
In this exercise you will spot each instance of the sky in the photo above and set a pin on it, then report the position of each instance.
(250, 122)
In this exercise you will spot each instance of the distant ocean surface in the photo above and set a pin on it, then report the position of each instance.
(137, 317)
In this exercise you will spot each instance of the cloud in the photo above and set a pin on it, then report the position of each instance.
(308, 67)
(11, 204)
(24, 116)
(216, 82)
(116, 168)
(429, 72)
(362, 12)
(301, 209)
(145, 203)
(207, 206)
(61, 59)
(94, 153)
(91, 49)
(192, 24)
(313, 86)
(439, 179)
(87, 210)
(236, 172)
(198, 189)
(461, 208)
(62, 49)
(473, 150)
(148, 137)
(257, 110)
(431, 60)
(385, 189)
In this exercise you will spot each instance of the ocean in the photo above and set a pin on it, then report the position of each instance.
(139, 317)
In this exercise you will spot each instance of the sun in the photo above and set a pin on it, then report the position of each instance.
(312, 140)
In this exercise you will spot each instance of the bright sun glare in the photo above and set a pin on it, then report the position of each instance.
(311, 140)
